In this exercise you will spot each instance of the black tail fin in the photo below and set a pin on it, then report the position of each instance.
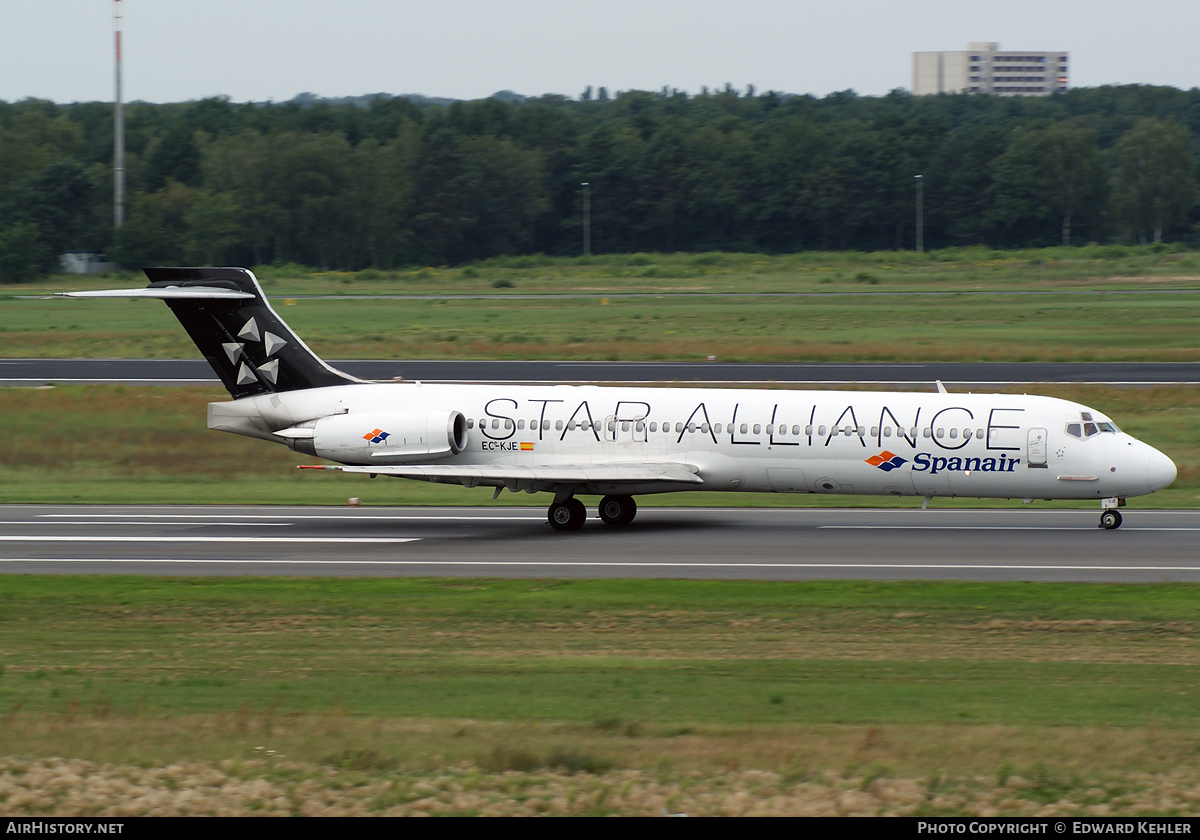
(226, 313)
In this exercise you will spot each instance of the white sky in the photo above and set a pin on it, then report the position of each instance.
(273, 49)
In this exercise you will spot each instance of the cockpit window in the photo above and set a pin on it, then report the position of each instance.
(1090, 427)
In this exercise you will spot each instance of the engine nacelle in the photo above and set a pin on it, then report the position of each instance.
(394, 437)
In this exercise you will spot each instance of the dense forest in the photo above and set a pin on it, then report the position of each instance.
(400, 182)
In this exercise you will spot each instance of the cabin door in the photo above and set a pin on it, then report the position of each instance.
(1035, 454)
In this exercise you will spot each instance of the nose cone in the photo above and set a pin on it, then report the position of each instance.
(1160, 470)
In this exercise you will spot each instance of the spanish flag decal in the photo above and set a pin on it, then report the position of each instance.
(526, 447)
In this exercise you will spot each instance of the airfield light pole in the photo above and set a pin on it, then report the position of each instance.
(118, 130)
(920, 181)
(587, 219)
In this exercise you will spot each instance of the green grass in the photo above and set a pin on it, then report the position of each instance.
(852, 327)
(1095, 267)
(617, 659)
(139, 445)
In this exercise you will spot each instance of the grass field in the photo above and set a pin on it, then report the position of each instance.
(137, 695)
(853, 319)
(917, 697)
(135, 445)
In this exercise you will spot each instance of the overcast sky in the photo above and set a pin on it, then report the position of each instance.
(274, 49)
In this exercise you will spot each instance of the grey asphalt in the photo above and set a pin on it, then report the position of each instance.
(775, 544)
(34, 372)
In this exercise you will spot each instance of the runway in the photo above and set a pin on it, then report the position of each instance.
(36, 372)
(731, 544)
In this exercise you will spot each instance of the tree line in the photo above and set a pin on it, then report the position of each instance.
(402, 182)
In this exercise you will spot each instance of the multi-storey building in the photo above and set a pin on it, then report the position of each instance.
(985, 69)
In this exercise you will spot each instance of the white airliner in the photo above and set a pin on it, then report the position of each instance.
(620, 442)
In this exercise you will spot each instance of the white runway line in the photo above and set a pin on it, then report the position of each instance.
(983, 528)
(301, 516)
(340, 540)
(111, 379)
(550, 564)
(151, 524)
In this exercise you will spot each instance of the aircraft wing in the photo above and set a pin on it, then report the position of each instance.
(632, 472)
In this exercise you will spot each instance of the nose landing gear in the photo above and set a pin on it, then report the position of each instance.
(1110, 519)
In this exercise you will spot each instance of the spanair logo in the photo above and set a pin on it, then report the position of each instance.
(886, 461)
(377, 436)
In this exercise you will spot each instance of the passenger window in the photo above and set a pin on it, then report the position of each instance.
(704, 428)
(966, 434)
(782, 430)
(717, 428)
(1074, 430)
(887, 431)
(821, 431)
(495, 424)
(678, 428)
(941, 433)
(624, 425)
(654, 427)
(862, 431)
(979, 433)
(508, 424)
(927, 432)
(796, 431)
(470, 424)
(770, 429)
(640, 426)
(558, 426)
(572, 426)
(808, 430)
(912, 433)
(757, 429)
(745, 429)
(953, 433)
(520, 424)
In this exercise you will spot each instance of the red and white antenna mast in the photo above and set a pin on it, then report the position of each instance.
(118, 130)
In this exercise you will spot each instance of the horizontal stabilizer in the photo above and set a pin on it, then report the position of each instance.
(227, 315)
(641, 472)
(169, 293)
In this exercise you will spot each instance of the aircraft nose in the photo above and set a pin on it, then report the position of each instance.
(1160, 470)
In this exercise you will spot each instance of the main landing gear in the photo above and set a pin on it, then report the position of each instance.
(617, 510)
(570, 514)
(567, 516)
